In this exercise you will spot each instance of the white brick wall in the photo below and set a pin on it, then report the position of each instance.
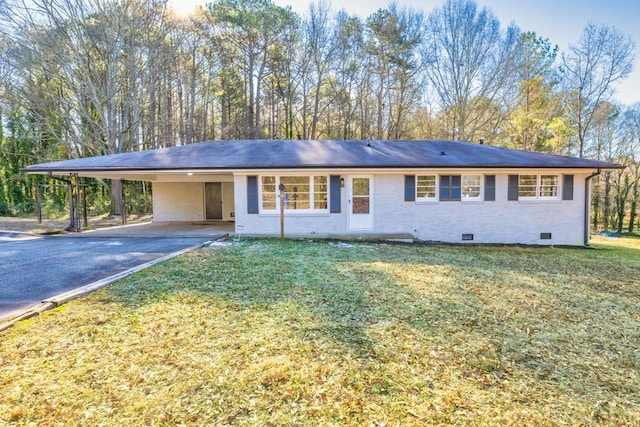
(500, 221)
(178, 201)
(228, 205)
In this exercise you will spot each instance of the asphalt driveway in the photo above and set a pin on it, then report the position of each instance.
(36, 268)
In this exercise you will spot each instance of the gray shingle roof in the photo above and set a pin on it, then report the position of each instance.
(284, 154)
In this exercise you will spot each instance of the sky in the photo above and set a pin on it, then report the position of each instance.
(560, 21)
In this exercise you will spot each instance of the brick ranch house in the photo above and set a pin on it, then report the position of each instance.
(443, 191)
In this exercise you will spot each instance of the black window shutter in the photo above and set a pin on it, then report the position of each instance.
(513, 187)
(253, 205)
(456, 187)
(489, 188)
(450, 189)
(445, 184)
(567, 187)
(409, 188)
(334, 194)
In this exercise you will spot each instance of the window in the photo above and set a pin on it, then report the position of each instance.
(549, 186)
(296, 192)
(538, 186)
(460, 187)
(301, 193)
(269, 195)
(471, 187)
(449, 187)
(527, 185)
(426, 187)
(320, 192)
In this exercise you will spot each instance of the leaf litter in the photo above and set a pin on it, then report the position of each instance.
(262, 332)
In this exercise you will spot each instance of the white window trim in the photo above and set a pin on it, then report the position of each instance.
(538, 197)
(261, 194)
(293, 211)
(558, 188)
(480, 196)
(437, 190)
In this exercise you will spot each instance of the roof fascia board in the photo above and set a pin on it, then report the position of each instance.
(394, 171)
(152, 174)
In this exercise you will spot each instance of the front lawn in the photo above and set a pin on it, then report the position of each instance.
(263, 332)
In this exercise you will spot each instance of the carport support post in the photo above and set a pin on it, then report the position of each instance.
(72, 210)
(76, 202)
(124, 203)
(84, 204)
(39, 203)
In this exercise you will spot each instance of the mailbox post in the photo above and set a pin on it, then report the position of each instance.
(282, 193)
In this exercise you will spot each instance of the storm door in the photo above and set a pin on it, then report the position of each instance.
(360, 202)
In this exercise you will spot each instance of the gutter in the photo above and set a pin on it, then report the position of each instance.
(587, 205)
(37, 169)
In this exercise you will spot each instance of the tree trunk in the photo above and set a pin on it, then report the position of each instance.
(634, 207)
(316, 106)
(596, 202)
(117, 202)
(622, 193)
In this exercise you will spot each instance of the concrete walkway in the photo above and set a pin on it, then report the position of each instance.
(162, 229)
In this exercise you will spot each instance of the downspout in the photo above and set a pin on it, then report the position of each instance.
(587, 205)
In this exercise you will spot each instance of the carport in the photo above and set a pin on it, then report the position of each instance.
(185, 187)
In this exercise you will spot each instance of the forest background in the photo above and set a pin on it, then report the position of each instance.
(90, 77)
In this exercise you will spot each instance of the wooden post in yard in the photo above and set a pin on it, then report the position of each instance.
(281, 188)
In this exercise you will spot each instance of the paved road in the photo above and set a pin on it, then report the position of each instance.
(33, 269)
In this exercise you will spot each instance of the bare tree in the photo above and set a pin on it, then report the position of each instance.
(95, 62)
(347, 83)
(601, 57)
(631, 135)
(320, 51)
(471, 63)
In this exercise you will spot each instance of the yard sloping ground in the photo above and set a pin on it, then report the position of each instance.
(56, 226)
(324, 333)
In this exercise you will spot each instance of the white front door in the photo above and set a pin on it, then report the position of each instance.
(361, 202)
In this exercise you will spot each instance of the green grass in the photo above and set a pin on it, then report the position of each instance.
(302, 333)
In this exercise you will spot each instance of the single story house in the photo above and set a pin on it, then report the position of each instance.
(444, 191)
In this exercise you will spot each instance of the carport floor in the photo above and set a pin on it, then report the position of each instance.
(164, 229)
